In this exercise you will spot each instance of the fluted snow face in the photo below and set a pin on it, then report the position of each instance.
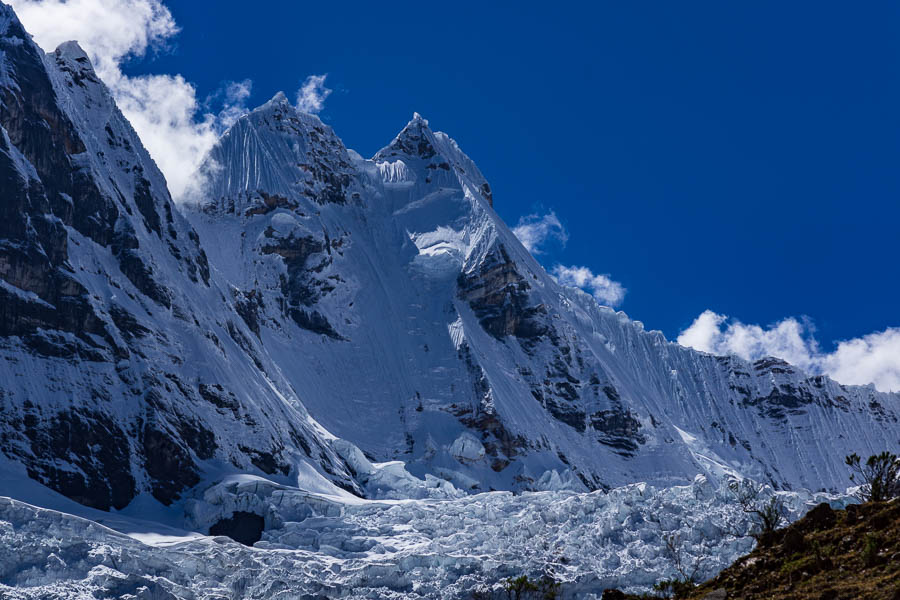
(408, 317)
(280, 151)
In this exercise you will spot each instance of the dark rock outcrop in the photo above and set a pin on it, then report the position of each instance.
(243, 527)
(498, 295)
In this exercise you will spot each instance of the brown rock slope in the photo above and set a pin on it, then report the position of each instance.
(827, 555)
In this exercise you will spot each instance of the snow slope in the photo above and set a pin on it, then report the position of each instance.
(412, 322)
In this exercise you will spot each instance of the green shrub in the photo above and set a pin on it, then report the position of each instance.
(869, 553)
(521, 588)
(879, 477)
(767, 514)
(674, 588)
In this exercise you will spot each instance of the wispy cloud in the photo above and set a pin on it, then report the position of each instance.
(873, 358)
(312, 94)
(601, 287)
(173, 125)
(234, 96)
(536, 230)
(163, 109)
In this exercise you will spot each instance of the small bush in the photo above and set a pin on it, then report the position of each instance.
(869, 553)
(521, 588)
(879, 476)
(796, 562)
(768, 515)
(684, 584)
(674, 588)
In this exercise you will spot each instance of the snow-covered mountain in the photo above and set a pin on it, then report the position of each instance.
(383, 299)
(124, 367)
(337, 356)
(411, 321)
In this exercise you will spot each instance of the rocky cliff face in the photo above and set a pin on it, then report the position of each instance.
(124, 367)
(412, 322)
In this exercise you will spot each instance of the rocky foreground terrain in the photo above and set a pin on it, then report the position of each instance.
(827, 555)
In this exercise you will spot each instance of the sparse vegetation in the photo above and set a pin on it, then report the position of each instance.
(833, 555)
(870, 548)
(674, 588)
(768, 514)
(681, 586)
(827, 555)
(521, 588)
(879, 476)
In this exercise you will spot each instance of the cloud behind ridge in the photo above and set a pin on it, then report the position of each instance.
(873, 358)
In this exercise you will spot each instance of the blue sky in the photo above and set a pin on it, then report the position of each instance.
(739, 158)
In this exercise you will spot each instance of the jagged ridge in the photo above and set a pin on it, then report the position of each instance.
(124, 369)
(454, 333)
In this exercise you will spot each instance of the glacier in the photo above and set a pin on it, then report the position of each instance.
(334, 545)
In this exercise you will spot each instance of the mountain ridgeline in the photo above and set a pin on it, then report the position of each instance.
(124, 365)
(307, 302)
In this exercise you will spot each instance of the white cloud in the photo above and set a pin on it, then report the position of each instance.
(874, 358)
(175, 128)
(704, 334)
(312, 94)
(535, 230)
(163, 109)
(109, 30)
(604, 289)
(236, 94)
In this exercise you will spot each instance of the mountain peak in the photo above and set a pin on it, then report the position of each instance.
(416, 140)
(70, 57)
(73, 51)
(436, 155)
(283, 111)
(279, 99)
(278, 149)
